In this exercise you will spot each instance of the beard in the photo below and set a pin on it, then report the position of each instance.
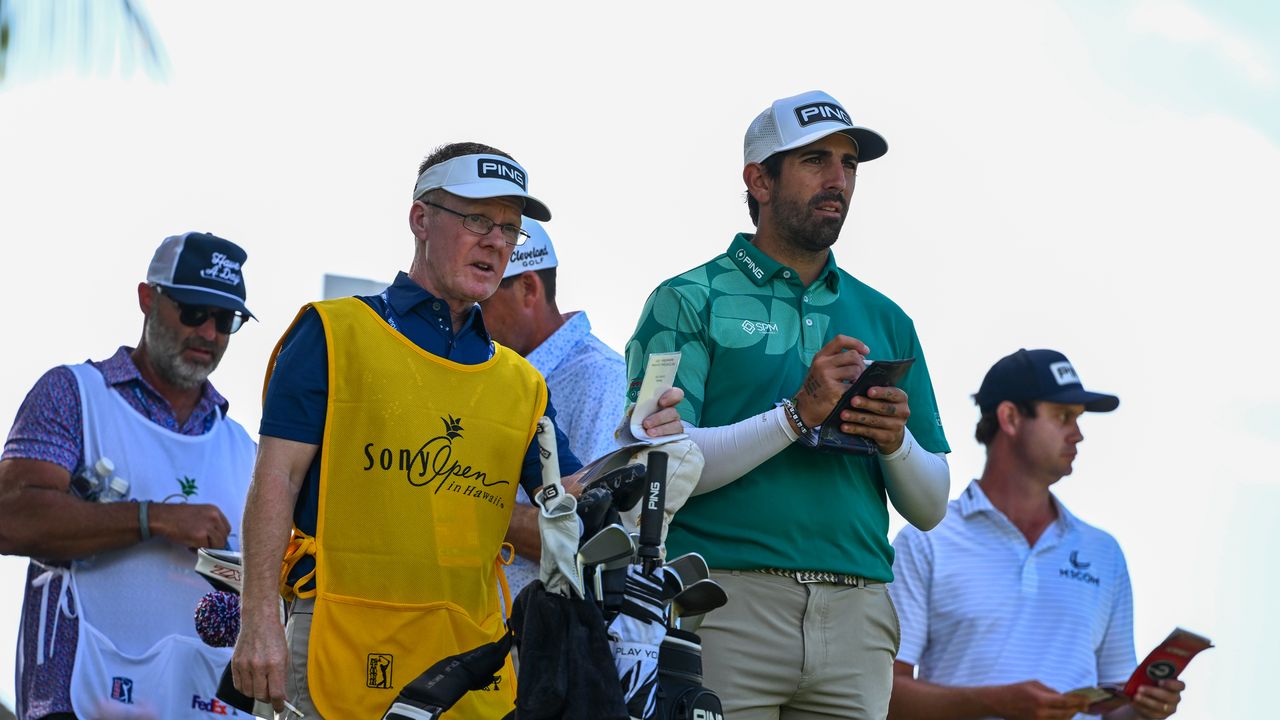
(164, 352)
(797, 223)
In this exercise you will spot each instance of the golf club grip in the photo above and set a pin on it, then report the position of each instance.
(653, 508)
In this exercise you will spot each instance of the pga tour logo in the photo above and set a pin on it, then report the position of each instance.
(122, 690)
(821, 112)
(491, 168)
(1064, 374)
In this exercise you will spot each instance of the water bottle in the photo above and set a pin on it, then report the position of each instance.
(115, 490)
(91, 482)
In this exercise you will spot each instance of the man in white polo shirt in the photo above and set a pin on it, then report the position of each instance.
(1013, 601)
(587, 379)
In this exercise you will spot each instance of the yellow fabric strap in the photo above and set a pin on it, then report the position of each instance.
(300, 545)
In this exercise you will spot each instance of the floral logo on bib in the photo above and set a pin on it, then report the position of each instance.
(187, 488)
(435, 463)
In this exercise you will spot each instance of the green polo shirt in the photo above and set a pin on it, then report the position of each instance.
(748, 330)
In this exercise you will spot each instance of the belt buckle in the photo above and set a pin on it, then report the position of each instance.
(807, 578)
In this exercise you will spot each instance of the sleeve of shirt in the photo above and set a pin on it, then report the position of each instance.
(298, 392)
(531, 469)
(592, 411)
(669, 323)
(48, 426)
(1116, 658)
(925, 421)
(910, 589)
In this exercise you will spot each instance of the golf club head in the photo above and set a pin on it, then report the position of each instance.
(594, 507)
(625, 484)
(699, 598)
(691, 567)
(612, 543)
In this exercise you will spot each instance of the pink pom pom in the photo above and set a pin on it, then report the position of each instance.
(218, 618)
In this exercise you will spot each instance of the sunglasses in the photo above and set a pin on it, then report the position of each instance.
(224, 321)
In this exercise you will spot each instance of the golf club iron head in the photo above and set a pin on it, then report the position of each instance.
(695, 601)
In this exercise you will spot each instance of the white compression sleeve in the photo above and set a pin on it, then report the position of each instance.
(917, 482)
(731, 451)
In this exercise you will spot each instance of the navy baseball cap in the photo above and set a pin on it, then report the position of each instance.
(1039, 375)
(200, 269)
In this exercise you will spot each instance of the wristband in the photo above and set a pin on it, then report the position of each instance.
(806, 433)
(144, 523)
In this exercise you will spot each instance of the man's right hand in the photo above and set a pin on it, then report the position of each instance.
(837, 364)
(1032, 700)
(187, 525)
(260, 661)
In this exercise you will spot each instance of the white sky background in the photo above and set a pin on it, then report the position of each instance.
(1093, 178)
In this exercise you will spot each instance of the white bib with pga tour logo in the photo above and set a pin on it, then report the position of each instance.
(137, 654)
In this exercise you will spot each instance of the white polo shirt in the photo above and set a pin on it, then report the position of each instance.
(978, 606)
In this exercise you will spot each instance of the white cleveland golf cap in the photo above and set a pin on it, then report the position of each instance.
(479, 177)
(799, 120)
(537, 253)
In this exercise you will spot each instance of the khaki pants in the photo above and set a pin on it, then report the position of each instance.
(782, 650)
(297, 635)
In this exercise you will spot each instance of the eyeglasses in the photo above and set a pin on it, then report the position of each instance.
(482, 225)
(224, 321)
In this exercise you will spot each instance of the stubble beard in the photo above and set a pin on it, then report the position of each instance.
(164, 353)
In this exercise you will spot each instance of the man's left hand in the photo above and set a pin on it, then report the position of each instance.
(879, 417)
(665, 420)
(1157, 703)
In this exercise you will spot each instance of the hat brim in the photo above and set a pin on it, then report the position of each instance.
(191, 296)
(870, 144)
(533, 207)
(1092, 401)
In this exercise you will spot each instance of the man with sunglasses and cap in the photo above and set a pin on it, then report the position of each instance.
(1013, 602)
(586, 378)
(106, 623)
(771, 332)
(394, 434)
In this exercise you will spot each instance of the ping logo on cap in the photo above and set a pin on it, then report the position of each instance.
(491, 168)
(1064, 374)
(822, 112)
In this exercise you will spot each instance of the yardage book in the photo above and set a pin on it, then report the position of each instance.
(1167, 661)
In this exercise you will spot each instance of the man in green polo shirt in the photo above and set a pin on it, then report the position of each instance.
(771, 332)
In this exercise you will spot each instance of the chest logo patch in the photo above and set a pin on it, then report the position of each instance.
(753, 327)
(437, 464)
(378, 673)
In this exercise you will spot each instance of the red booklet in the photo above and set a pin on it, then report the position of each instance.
(1167, 661)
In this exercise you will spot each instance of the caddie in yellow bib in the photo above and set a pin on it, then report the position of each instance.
(418, 473)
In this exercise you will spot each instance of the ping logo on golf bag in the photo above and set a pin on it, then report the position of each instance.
(122, 689)
(821, 112)
(379, 671)
(700, 714)
(655, 491)
(492, 168)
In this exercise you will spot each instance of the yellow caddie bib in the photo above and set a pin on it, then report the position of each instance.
(418, 472)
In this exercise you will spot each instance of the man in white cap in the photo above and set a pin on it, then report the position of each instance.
(771, 332)
(587, 379)
(394, 434)
(112, 472)
(1013, 602)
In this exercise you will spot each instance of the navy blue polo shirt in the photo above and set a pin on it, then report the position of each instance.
(297, 396)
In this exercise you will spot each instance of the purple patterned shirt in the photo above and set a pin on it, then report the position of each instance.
(49, 427)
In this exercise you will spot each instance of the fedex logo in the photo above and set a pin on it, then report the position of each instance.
(213, 706)
(821, 112)
(492, 168)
